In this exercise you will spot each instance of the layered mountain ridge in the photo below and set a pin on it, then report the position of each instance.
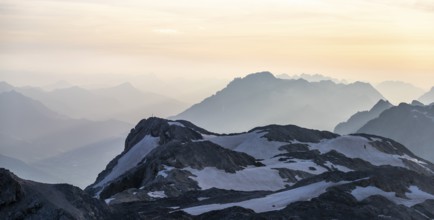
(261, 98)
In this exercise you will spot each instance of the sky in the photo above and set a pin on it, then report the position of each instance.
(366, 40)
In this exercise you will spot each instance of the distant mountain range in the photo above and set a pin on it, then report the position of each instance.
(310, 77)
(123, 102)
(397, 91)
(428, 98)
(81, 166)
(27, 171)
(261, 98)
(32, 133)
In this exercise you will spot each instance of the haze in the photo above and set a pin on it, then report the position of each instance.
(100, 42)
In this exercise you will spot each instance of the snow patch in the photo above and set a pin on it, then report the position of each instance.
(272, 202)
(165, 171)
(157, 194)
(107, 201)
(130, 159)
(307, 166)
(358, 147)
(248, 179)
(250, 143)
(337, 167)
(415, 197)
(175, 123)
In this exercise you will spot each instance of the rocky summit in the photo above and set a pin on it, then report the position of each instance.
(176, 170)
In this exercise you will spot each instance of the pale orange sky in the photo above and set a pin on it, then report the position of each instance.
(368, 40)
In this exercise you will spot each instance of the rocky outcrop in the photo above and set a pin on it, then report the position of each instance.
(23, 199)
(285, 133)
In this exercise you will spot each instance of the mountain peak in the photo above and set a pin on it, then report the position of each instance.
(417, 103)
(125, 85)
(382, 104)
(260, 75)
(166, 130)
(428, 97)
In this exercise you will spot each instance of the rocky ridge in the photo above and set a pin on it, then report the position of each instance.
(189, 173)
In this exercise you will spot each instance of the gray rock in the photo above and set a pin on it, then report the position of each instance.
(23, 199)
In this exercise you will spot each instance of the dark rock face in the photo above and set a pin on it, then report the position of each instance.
(199, 155)
(22, 199)
(157, 127)
(291, 132)
(11, 190)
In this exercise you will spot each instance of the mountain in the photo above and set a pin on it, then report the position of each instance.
(122, 102)
(5, 87)
(428, 97)
(261, 98)
(61, 84)
(26, 171)
(52, 148)
(133, 104)
(23, 117)
(74, 101)
(30, 131)
(397, 91)
(80, 166)
(359, 119)
(176, 170)
(24, 199)
(412, 125)
(310, 77)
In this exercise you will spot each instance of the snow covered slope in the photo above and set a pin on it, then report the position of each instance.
(177, 166)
